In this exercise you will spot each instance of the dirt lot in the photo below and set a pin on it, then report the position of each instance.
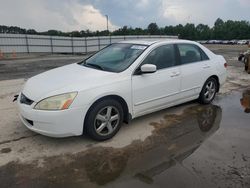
(188, 145)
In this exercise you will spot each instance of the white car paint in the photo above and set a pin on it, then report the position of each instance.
(143, 93)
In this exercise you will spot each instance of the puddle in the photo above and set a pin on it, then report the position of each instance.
(177, 153)
(174, 138)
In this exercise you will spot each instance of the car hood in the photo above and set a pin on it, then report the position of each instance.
(68, 78)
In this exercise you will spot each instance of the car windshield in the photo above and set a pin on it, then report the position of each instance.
(115, 58)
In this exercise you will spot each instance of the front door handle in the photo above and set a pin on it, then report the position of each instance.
(174, 74)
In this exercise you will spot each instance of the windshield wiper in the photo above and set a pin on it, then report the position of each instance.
(94, 66)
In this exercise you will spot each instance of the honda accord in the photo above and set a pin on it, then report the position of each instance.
(123, 81)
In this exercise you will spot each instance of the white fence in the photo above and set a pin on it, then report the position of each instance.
(17, 43)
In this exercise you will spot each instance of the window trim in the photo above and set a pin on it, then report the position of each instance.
(195, 46)
(136, 70)
(202, 51)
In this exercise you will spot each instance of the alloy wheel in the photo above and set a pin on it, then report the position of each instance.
(107, 120)
(210, 90)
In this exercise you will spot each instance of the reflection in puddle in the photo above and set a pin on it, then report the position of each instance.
(245, 101)
(174, 138)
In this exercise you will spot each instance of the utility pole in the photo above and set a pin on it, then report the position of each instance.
(107, 23)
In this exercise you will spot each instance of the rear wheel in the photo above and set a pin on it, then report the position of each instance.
(104, 119)
(208, 91)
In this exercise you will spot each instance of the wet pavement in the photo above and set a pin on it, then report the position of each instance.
(204, 146)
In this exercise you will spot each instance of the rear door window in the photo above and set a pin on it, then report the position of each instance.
(190, 53)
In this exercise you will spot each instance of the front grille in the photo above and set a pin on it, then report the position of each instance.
(25, 100)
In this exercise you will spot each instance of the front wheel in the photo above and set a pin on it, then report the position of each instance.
(104, 119)
(208, 91)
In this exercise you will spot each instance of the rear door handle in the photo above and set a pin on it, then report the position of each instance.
(174, 74)
(206, 66)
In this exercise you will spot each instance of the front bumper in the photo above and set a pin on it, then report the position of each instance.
(62, 123)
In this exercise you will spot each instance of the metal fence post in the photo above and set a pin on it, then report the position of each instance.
(86, 46)
(99, 45)
(51, 44)
(72, 45)
(27, 43)
(110, 39)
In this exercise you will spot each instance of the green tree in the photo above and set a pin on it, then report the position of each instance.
(219, 29)
(189, 32)
(31, 32)
(203, 32)
(153, 29)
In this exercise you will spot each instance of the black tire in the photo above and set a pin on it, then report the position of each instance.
(93, 122)
(246, 63)
(205, 98)
(240, 58)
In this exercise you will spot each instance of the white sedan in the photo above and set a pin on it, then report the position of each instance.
(117, 84)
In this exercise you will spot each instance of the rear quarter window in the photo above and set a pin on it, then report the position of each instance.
(204, 56)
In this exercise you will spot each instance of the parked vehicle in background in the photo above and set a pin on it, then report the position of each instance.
(225, 42)
(242, 42)
(245, 101)
(203, 42)
(219, 41)
(232, 42)
(247, 64)
(245, 58)
(214, 42)
(211, 41)
(123, 81)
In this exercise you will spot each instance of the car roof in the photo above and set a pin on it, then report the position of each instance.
(149, 42)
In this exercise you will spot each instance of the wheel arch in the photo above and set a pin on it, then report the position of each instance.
(127, 115)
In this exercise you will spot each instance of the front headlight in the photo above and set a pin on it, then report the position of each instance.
(58, 102)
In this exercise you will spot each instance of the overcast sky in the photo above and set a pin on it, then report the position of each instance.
(68, 15)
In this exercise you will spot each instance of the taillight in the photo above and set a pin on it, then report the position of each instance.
(225, 65)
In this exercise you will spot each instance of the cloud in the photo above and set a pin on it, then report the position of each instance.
(206, 12)
(68, 15)
(142, 4)
(61, 15)
(176, 13)
(88, 17)
(244, 2)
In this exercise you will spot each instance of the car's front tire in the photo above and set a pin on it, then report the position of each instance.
(208, 91)
(104, 119)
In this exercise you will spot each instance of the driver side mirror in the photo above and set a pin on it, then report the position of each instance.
(148, 68)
